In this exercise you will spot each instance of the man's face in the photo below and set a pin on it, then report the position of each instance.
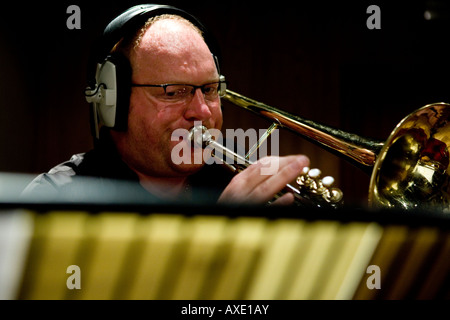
(169, 52)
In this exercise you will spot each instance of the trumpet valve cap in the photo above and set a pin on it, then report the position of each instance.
(314, 173)
(327, 181)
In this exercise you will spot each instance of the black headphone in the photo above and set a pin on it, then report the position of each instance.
(109, 89)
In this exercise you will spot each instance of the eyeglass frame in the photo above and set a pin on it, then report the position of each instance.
(221, 90)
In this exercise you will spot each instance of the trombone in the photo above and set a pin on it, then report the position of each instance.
(410, 170)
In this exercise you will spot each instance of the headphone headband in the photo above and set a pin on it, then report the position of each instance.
(131, 20)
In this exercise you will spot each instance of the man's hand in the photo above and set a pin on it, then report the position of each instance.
(259, 183)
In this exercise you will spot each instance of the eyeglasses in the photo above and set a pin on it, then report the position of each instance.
(181, 92)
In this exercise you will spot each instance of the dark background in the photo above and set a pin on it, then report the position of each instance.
(315, 59)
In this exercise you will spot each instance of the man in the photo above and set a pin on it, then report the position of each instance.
(168, 49)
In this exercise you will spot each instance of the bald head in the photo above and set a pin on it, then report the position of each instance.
(168, 46)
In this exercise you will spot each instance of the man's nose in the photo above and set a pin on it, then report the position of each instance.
(197, 108)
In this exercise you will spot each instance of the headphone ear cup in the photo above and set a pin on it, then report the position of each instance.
(123, 90)
(114, 84)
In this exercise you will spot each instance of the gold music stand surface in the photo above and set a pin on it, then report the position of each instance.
(104, 252)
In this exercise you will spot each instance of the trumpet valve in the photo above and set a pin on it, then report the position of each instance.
(314, 173)
(309, 179)
(327, 181)
(304, 180)
(333, 195)
(310, 182)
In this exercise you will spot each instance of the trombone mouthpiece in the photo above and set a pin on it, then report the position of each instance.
(199, 136)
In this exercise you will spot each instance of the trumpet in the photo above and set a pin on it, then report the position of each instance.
(410, 170)
(310, 189)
